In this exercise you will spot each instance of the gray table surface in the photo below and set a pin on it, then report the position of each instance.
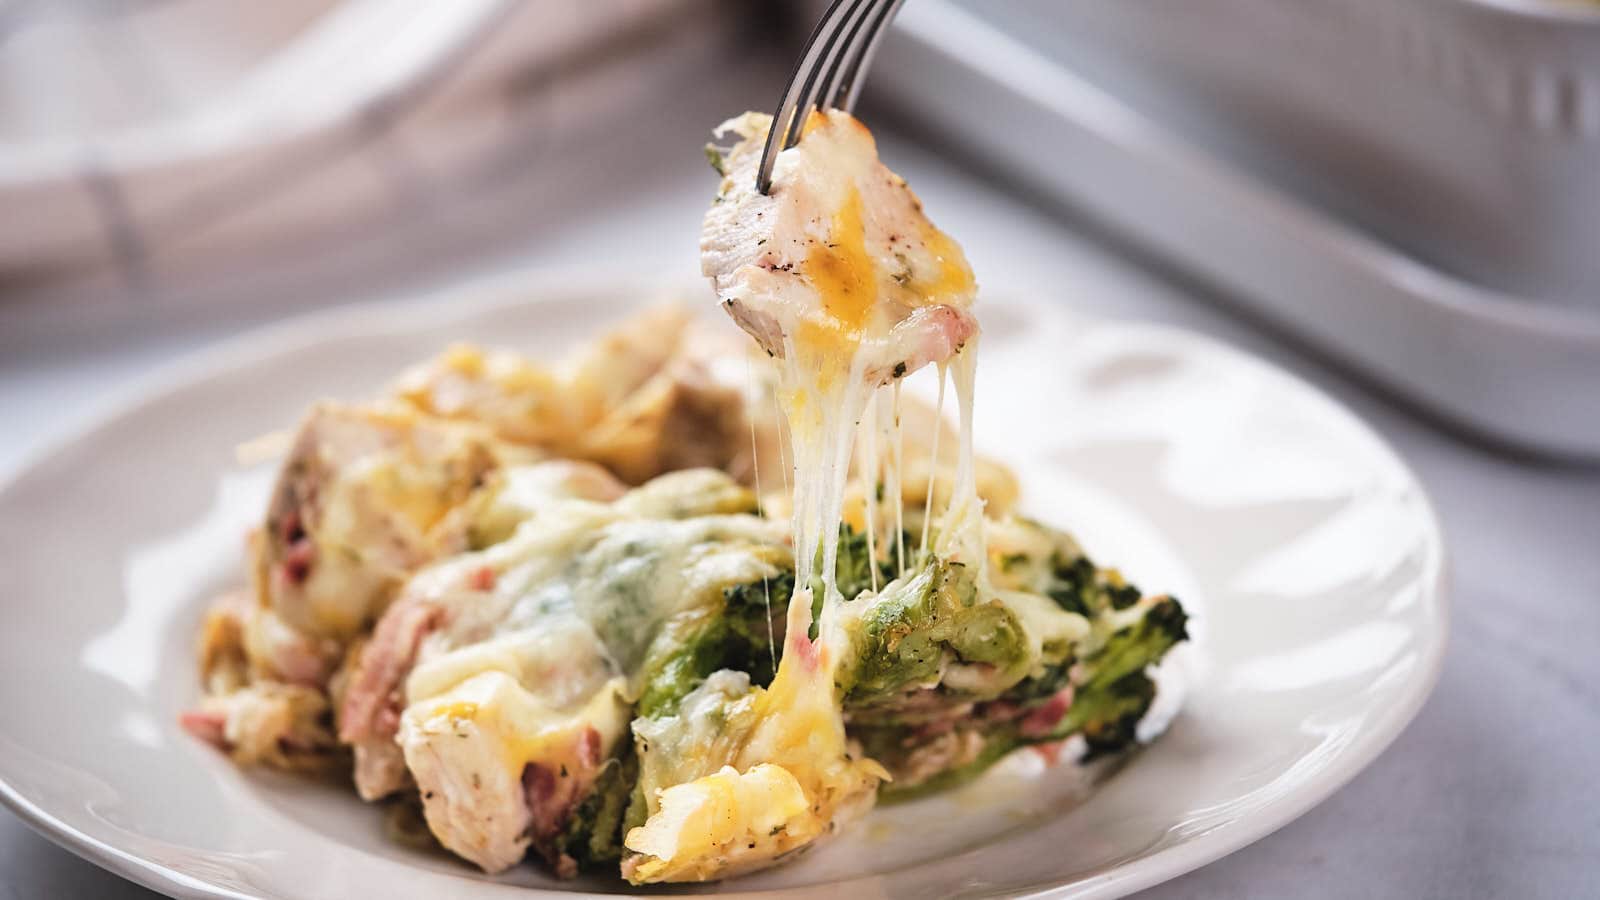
(1494, 791)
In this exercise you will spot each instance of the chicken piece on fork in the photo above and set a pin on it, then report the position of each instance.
(837, 257)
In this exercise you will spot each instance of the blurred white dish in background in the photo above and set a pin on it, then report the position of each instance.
(130, 132)
(1503, 365)
(1307, 551)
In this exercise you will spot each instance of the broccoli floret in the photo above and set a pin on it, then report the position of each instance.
(1133, 648)
(855, 567)
(1048, 682)
(1071, 584)
(895, 640)
(1112, 694)
(752, 606)
(1108, 718)
(594, 834)
(1109, 703)
(853, 572)
(738, 636)
(1077, 585)
(915, 631)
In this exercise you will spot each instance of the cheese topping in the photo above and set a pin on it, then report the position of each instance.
(839, 275)
(544, 638)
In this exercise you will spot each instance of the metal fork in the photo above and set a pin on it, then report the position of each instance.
(829, 73)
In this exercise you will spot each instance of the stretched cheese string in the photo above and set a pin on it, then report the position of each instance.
(755, 467)
(886, 484)
(823, 407)
(961, 528)
(868, 470)
(933, 462)
(824, 414)
(896, 490)
(783, 454)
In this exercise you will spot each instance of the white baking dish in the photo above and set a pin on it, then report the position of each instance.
(1508, 367)
(1464, 132)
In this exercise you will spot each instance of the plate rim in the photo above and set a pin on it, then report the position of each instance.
(482, 295)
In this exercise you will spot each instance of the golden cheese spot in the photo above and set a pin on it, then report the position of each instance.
(855, 514)
(814, 120)
(463, 358)
(841, 270)
(803, 417)
(951, 282)
(459, 710)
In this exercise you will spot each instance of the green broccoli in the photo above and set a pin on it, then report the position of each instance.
(594, 833)
(912, 634)
(855, 566)
(1137, 646)
(1115, 693)
(1076, 585)
(1112, 693)
(738, 635)
(1108, 718)
(731, 635)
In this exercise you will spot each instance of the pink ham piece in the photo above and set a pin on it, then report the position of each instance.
(553, 794)
(370, 714)
(208, 725)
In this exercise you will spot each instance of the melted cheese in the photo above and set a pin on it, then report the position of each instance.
(729, 766)
(842, 272)
(841, 295)
(950, 280)
(536, 664)
(368, 490)
(718, 813)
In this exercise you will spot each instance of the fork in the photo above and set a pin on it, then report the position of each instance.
(829, 73)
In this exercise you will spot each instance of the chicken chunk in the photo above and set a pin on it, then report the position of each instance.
(373, 694)
(640, 401)
(279, 725)
(501, 681)
(355, 511)
(838, 257)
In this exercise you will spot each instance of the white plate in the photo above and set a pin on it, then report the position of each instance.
(1305, 549)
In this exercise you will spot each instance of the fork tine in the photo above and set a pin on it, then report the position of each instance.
(830, 60)
(789, 120)
(860, 27)
(849, 86)
(837, 42)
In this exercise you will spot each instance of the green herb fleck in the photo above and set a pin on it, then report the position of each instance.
(714, 157)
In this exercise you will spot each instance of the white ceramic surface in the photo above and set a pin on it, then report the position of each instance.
(1463, 133)
(1307, 553)
(1498, 363)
